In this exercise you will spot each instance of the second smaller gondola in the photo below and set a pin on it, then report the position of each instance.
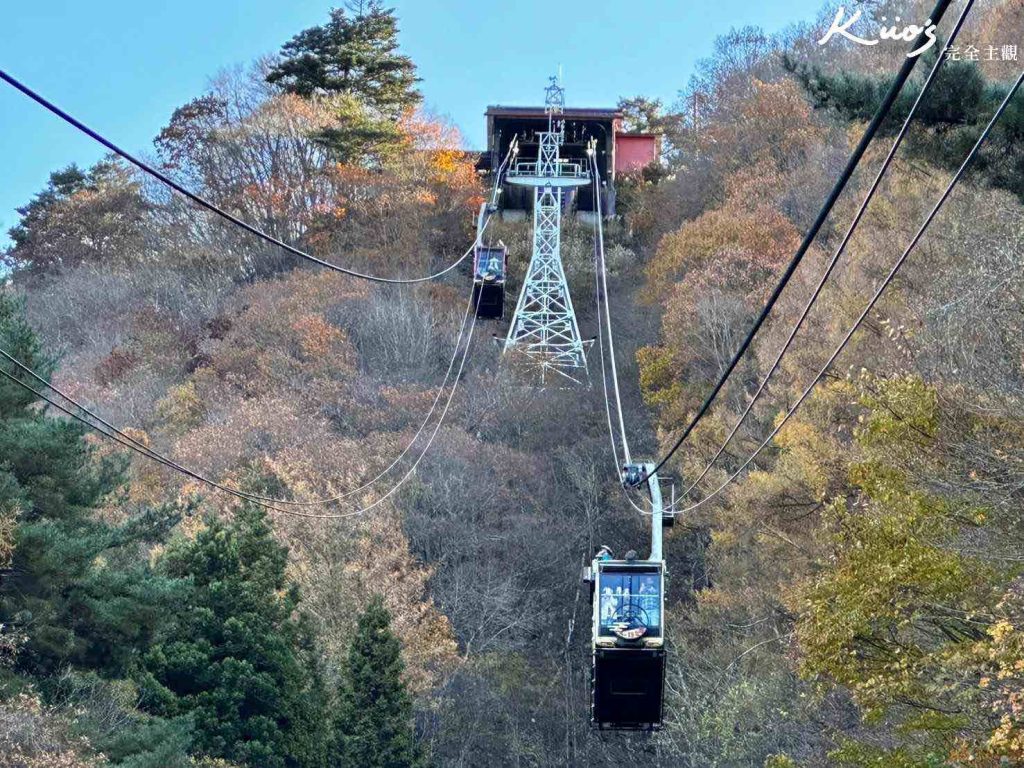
(489, 280)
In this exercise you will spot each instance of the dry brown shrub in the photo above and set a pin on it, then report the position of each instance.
(34, 736)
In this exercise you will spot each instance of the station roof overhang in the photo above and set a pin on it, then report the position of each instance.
(575, 113)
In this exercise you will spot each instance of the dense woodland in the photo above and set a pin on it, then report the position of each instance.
(855, 599)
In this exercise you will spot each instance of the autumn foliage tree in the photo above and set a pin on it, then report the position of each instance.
(863, 568)
(92, 217)
(252, 153)
(901, 613)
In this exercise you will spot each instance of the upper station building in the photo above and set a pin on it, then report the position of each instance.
(618, 151)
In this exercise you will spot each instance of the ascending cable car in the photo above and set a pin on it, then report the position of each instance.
(628, 631)
(489, 280)
(628, 676)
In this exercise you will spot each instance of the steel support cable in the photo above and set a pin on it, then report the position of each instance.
(256, 497)
(607, 314)
(130, 444)
(608, 405)
(839, 251)
(874, 299)
(840, 185)
(153, 456)
(213, 208)
(604, 375)
(252, 496)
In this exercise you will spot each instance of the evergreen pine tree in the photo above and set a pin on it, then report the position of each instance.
(374, 726)
(61, 185)
(77, 589)
(354, 57)
(237, 657)
(76, 586)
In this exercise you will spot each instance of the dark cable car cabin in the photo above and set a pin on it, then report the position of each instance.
(628, 676)
(489, 280)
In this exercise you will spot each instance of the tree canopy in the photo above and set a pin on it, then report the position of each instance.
(80, 217)
(237, 658)
(959, 105)
(354, 54)
(374, 719)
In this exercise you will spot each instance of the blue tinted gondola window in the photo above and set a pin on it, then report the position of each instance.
(489, 260)
(630, 598)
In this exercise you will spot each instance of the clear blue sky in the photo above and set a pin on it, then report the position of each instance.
(122, 66)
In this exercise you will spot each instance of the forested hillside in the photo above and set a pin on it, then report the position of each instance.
(854, 599)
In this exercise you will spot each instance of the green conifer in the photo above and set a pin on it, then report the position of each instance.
(374, 727)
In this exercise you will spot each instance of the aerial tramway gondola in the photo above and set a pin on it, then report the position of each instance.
(489, 260)
(489, 280)
(628, 633)
(628, 639)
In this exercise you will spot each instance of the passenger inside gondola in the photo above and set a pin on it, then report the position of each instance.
(488, 264)
(489, 280)
(633, 599)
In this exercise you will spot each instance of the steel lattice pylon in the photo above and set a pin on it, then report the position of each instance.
(544, 326)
